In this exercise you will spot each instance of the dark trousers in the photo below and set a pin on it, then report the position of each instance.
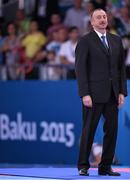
(91, 118)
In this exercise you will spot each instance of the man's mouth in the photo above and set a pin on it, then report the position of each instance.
(102, 23)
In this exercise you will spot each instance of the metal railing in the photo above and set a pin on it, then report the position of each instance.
(44, 71)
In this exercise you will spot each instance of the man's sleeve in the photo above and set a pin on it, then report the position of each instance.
(81, 67)
(122, 70)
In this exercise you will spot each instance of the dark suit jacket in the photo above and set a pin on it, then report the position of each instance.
(98, 69)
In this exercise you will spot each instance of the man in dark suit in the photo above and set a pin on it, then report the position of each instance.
(100, 73)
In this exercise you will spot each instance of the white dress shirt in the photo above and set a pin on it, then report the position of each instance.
(100, 35)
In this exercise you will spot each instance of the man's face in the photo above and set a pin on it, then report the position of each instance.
(99, 20)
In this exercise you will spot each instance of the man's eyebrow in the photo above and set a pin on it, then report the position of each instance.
(101, 15)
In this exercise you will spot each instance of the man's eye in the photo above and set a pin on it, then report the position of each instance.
(98, 17)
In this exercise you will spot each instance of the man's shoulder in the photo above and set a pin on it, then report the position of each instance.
(114, 36)
(86, 36)
(84, 41)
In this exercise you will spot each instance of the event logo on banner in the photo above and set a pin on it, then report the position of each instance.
(26, 130)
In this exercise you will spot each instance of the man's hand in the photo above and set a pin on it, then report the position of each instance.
(121, 100)
(87, 101)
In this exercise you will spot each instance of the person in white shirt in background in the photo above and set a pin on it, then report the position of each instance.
(67, 52)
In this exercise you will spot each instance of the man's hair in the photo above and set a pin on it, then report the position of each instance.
(99, 9)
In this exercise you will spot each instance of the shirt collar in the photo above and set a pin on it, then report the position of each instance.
(100, 34)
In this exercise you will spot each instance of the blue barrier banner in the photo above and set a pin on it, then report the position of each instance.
(40, 122)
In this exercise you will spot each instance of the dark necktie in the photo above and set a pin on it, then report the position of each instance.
(104, 42)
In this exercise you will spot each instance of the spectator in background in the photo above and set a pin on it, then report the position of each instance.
(127, 4)
(2, 62)
(56, 24)
(33, 44)
(59, 36)
(54, 44)
(51, 70)
(64, 5)
(22, 23)
(1, 46)
(113, 6)
(86, 20)
(115, 26)
(74, 16)
(40, 14)
(33, 41)
(43, 11)
(63, 34)
(67, 51)
(10, 48)
(50, 10)
(125, 19)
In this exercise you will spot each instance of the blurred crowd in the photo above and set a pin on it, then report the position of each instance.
(40, 41)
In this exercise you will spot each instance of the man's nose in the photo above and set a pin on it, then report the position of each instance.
(102, 18)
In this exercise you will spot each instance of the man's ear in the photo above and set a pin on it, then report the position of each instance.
(91, 21)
